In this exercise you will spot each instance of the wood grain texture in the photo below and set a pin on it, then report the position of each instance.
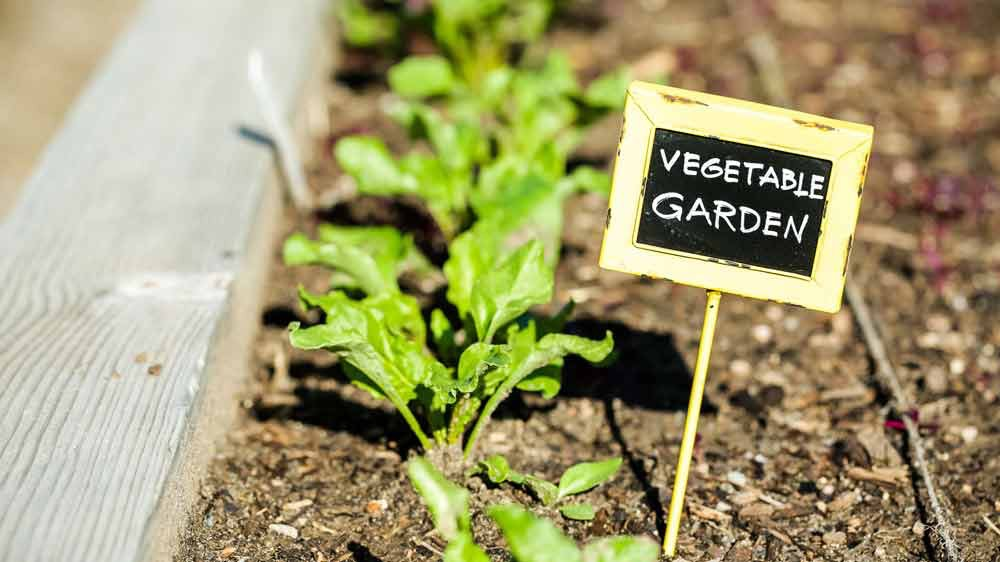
(129, 239)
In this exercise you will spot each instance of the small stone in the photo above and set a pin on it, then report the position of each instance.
(762, 333)
(843, 501)
(227, 552)
(828, 491)
(878, 447)
(736, 478)
(835, 538)
(969, 434)
(967, 489)
(919, 529)
(282, 529)
(376, 507)
(744, 498)
(296, 506)
(956, 366)
(842, 323)
(141, 358)
(936, 380)
(154, 370)
(756, 511)
(741, 368)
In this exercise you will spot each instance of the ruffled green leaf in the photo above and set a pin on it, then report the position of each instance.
(520, 281)
(371, 165)
(547, 381)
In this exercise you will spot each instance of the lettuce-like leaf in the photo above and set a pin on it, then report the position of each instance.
(621, 549)
(581, 477)
(608, 90)
(448, 503)
(520, 281)
(371, 165)
(526, 357)
(463, 548)
(381, 360)
(362, 27)
(363, 270)
(578, 511)
(532, 539)
(422, 76)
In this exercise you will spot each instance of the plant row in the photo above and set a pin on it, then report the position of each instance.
(491, 137)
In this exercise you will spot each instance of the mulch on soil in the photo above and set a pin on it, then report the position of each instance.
(796, 459)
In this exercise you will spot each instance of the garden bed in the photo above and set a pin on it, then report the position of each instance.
(798, 456)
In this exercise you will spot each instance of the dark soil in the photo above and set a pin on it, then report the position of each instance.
(797, 457)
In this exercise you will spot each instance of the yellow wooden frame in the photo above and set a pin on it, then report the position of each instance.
(846, 145)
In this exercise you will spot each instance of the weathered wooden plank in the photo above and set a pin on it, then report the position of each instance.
(138, 234)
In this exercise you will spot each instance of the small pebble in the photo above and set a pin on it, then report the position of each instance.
(737, 478)
(741, 368)
(919, 528)
(227, 552)
(762, 333)
(969, 434)
(957, 366)
(295, 506)
(936, 381)
(828, 490)
(834, 538)
(154, 370)
(282, 529)
(375, 507)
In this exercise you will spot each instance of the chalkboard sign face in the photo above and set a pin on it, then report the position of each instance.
(732, 201)
(735, 196)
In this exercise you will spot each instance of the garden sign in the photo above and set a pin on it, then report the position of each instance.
(734, 197)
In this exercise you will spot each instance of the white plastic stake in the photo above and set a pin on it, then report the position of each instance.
(288, 152)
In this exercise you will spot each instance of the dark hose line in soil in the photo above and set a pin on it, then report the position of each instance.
(886, 375)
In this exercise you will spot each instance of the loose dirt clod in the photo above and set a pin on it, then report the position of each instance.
(282, 529)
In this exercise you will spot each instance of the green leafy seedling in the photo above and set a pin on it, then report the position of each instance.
(444, 385)
(577, 479)
(449, 507)
(530, 538)
(533, 539)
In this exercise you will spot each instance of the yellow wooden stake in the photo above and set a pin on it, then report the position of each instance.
(691, 423)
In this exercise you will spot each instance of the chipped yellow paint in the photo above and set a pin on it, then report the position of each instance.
(847, 145)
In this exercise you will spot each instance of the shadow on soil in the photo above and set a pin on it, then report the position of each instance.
(645, 371)
(361, 553)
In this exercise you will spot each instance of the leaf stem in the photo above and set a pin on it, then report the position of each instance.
(414, 426)
(484, 417)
